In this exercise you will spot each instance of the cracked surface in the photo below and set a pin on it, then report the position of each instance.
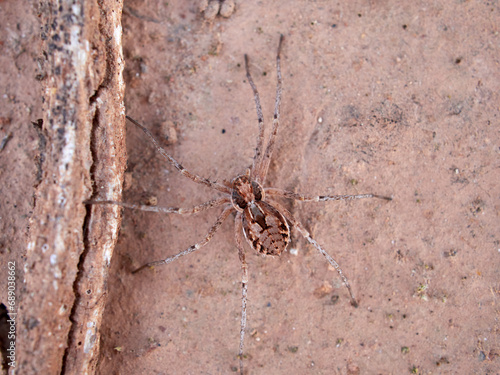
(80, 144)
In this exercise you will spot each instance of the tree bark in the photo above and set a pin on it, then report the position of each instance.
(70, 244)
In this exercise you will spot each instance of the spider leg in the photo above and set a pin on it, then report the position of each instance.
(238, 230)
(320, 198)
(168, 210)
(223, 216)
(180, 168)
(312, 241)
(257, 159)
(266, 159)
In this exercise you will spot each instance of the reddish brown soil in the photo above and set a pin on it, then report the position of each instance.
(378, 97)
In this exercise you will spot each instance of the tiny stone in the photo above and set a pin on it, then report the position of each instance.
(227, 8)
(202, 5)
(151, 201)
(212, 10)
(127, 180)
(323, 290)
(169, 132)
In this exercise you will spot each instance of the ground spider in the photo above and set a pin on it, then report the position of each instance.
(265, 225)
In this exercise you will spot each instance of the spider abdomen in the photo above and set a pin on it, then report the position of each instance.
(265, 228)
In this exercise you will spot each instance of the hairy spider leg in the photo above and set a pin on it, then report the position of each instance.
(262, 160)
(223, 216)
(167, 210)
(238, 235)
(320, 198)
(303, 231)
(193, 177)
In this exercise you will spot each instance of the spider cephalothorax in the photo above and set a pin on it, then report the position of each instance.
(245, 192)
(265, 225)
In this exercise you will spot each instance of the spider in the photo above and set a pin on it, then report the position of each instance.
(264, 222)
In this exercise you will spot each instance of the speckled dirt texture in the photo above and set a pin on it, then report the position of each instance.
(393, 98)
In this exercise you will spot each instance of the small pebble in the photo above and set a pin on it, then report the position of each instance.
(227, 8)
